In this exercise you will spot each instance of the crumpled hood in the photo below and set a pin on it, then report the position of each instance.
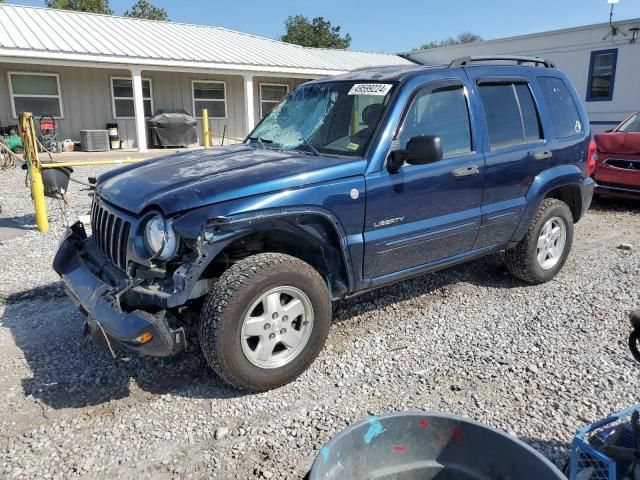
(201, 177)
(618, 142)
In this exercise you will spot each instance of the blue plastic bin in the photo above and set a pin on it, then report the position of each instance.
(587, 463)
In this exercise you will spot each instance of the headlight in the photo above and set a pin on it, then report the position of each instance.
(161, 240)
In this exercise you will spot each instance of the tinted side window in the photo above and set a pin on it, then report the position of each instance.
(563, 110)
(442, 112)
(631, 125)
(511, 115)
(530, 121)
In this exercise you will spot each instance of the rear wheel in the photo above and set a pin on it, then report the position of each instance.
(544, 249)
(265, 321)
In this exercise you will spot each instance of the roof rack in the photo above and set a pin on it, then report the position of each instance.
(463, 61)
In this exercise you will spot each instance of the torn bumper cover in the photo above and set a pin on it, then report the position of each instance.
(80, 265)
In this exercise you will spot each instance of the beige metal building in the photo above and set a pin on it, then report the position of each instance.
(88, 70)
(603, 63)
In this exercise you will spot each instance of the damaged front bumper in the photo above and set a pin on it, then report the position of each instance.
(97, 287)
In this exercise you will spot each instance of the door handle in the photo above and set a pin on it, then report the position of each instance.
(543, 155)
(463, 172)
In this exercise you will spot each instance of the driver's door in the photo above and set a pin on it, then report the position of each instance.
(424, 214)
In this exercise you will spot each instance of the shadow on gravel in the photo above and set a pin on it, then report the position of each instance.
(602, 204)
(556, 451)
(490, 272)
(69, 371)
(24, 222)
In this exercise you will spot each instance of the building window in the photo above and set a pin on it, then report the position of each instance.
(212, 96)
(512, 117)
(122, 95)
(38, 93)
(602, 75)
(270, 96)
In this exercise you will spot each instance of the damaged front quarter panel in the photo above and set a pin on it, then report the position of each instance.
(209, 236)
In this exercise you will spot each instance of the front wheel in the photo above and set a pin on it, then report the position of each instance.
(544, 249)
(265, 321)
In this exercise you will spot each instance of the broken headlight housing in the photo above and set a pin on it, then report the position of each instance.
(160, 238)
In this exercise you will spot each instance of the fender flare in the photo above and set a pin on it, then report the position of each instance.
(543, 183)
(219, 232)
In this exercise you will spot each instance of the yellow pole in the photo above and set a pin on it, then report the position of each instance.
(205, 127)
(355, 120)
(37, 191)
(28, 134)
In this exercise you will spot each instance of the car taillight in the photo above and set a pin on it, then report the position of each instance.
(592, 158)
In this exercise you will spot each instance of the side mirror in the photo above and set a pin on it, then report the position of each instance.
(420, 150)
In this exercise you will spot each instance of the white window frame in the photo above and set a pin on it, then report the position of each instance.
(114, 98)
(193, 99)
(21, 95)
(270, 85)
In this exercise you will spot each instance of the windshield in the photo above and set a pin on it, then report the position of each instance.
(631, 124)
(329, 117)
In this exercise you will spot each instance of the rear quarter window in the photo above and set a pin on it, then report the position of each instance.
(562, 108)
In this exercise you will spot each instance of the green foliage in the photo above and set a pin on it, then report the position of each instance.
(94, 6)
(144, 9)
(465, 37)
(427, 45)
(314, 33)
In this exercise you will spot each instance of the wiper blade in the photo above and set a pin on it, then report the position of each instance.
(311, 147)
(260, 141)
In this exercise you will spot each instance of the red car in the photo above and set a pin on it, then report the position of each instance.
(616, 155)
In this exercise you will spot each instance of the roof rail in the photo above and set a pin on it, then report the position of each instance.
(463, 61)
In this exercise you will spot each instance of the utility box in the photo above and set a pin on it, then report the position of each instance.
(94, 140)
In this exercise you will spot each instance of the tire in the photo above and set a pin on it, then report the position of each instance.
(242, 299)
(523, 260)
(634, 339)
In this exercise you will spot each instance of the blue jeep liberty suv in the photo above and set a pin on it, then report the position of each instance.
(351, 183)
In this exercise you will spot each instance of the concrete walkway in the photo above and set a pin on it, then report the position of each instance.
(123, 154)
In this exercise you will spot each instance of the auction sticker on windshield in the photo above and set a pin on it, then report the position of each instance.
(380, 89)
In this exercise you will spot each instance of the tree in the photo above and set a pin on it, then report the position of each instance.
(144, 9)
(314, 33)
(469, 37)
(94, 6)
(465, 37)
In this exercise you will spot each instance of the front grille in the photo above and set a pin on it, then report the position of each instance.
(625, 164)
(111, 233)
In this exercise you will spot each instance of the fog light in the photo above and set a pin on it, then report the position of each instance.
(146, 337)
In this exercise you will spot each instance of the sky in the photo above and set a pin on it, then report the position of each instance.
(393, 26)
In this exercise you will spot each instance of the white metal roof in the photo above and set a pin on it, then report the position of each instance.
(549, 33)
(59, 35)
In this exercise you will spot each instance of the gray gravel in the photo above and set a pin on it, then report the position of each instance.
(537, 362)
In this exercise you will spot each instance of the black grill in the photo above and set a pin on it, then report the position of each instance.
(111, 233)
(626, 164)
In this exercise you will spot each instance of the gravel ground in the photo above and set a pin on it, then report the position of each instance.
(535, 361)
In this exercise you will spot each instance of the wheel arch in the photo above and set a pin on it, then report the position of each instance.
(563, 183)
(312, 236)
(569, 194)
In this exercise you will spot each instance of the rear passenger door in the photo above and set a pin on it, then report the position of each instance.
(515, 151)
